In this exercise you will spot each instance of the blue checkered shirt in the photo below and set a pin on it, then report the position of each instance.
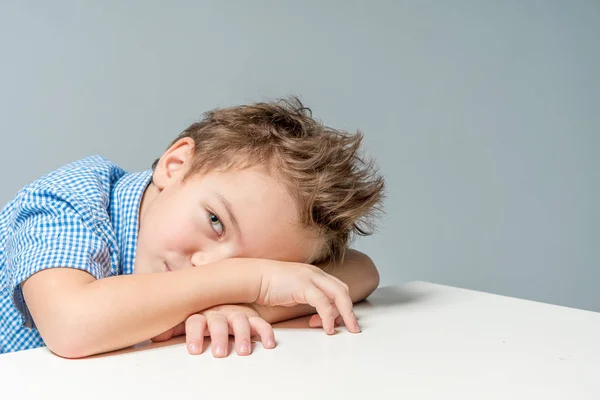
(84, 215)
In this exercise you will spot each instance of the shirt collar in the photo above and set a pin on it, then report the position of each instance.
(124, 214)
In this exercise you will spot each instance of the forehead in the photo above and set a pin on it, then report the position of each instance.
(252, 189)
(266, 213)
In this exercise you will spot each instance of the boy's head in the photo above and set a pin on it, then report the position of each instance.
(299, 189)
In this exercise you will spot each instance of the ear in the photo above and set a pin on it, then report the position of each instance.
(174, 163)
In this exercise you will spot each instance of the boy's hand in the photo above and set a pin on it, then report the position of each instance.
(241, 321)
(290, 284)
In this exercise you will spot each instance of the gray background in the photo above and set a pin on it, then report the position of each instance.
(483, 115)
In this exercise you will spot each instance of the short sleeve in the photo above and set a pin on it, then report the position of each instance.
(51, 233)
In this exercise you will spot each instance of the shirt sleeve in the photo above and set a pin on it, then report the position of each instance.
(50, 232)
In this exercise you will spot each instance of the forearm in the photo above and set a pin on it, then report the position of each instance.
(117, 312)
(357, 270)
(131, 309)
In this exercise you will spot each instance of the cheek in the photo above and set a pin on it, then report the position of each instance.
(174, 229)
(181, 235)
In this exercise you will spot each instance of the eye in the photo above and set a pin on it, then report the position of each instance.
(216, 224)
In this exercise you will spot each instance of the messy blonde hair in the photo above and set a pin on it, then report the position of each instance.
(337, 191)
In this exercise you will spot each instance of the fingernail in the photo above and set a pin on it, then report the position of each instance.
(270, 343)
(220, 350)
(193, 347)
(244, 348)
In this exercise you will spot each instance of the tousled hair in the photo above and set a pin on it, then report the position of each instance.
(337, 190)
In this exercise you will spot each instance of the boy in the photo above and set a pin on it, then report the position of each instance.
(222, 236)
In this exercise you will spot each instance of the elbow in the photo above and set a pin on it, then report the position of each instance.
(66, 345)
(372, 279)
(368, 277)
(69, 352)
(68, 340)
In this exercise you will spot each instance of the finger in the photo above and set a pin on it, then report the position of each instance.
(195, 326)
(315, 321)
(219, 334)
(329, 274)
(339, 281)
(241, 332)
(341, 299)
(263, 329)
(344, 284)
(325, 309)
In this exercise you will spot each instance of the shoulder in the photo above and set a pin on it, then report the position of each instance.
(81, 189)
(85, 183)
(81, 176)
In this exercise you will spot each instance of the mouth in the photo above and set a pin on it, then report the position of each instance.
(167, 269)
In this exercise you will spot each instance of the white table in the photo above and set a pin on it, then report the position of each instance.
(419, 341)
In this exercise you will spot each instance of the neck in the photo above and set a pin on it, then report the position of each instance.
(148, 197)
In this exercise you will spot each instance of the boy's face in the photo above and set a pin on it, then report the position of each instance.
(214, 216)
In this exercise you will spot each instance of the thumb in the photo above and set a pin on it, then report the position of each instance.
(316, 322)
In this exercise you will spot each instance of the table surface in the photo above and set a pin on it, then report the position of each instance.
(419, 341)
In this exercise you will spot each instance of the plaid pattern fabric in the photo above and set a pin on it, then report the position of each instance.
(84, 215)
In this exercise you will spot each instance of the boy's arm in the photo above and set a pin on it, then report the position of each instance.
(78, 316)
(357, 271)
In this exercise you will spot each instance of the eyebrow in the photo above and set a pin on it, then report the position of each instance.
(227, 205)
